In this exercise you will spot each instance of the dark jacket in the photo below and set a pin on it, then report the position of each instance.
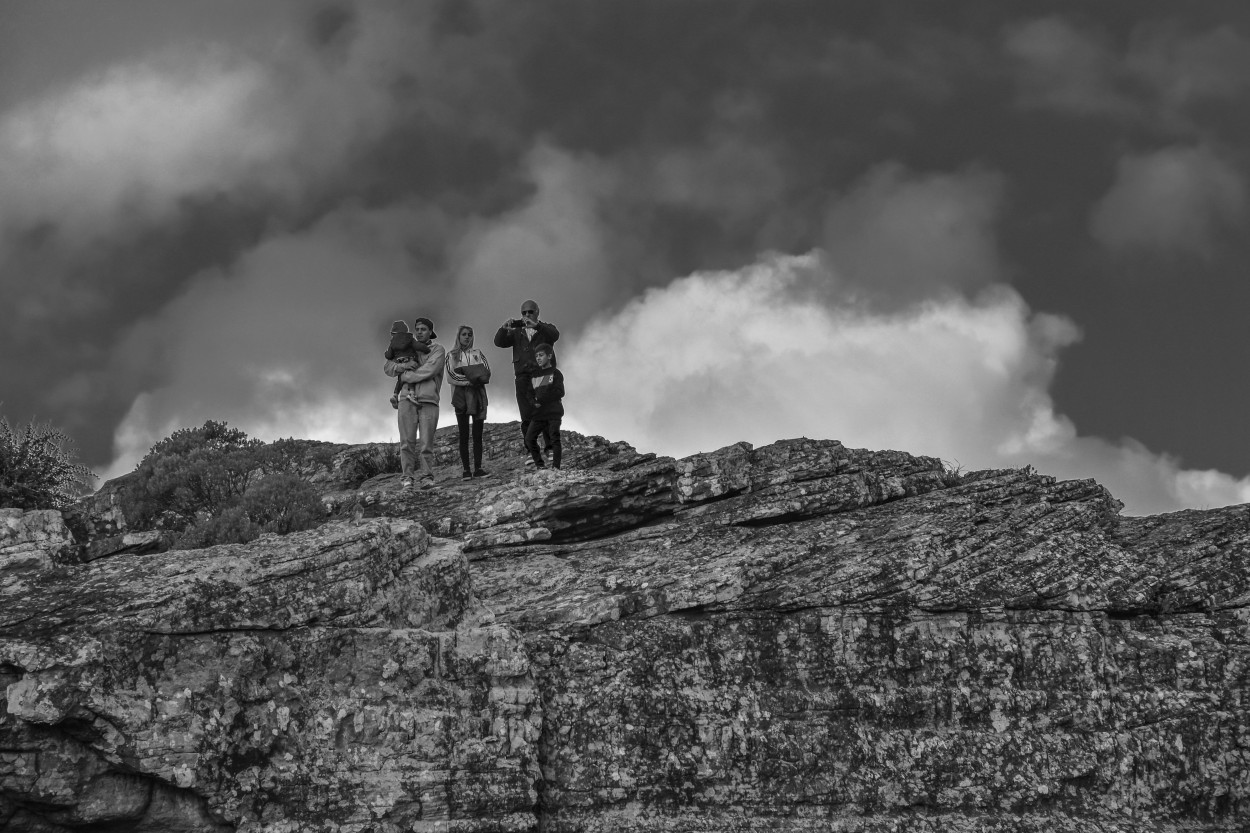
(548, 391)
(403, 345)
(522, 345)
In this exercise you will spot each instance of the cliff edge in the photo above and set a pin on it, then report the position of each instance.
(798, 637)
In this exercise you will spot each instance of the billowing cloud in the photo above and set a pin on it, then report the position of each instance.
(719, 357)
(131, 143)
(1172, 200)
(552, 248)
(288, 341)
(903, 236)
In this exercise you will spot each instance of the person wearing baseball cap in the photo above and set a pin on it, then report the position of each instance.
(522, 335)
(418, 405)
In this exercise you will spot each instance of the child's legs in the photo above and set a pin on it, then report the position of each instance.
(532, 433)
(552, 431)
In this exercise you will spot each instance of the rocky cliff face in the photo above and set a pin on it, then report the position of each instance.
(800, 637)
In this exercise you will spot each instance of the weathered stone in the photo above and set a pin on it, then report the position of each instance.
(128, 543)
(31, 543)
(799, 637)
(342, 679)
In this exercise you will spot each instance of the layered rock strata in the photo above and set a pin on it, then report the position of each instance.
(342, 679)
(799, 637)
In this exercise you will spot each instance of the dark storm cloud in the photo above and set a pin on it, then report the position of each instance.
(124, 187)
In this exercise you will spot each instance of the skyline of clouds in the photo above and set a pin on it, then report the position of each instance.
(947, 211)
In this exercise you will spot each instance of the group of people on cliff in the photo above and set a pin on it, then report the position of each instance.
(419, 364)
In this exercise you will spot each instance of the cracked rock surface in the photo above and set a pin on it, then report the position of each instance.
(799, 637)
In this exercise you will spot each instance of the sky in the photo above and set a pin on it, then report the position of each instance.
(1002, 234)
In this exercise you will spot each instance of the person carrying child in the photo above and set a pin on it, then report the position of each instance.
(403, 348)
(418, 406)
(468, 373)
(547, 408)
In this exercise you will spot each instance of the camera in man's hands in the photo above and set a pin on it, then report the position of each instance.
(516, 324)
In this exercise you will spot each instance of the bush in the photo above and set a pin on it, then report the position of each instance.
(279, 503)
(38, 468)
(232, 526)
(192, 473)
(283, 503)
(215, 485)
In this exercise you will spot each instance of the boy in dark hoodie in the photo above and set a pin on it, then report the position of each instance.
(548, 409)
(403, 348)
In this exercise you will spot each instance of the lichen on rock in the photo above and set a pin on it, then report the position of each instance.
(798, 637)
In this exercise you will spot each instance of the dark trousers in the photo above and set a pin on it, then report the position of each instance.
(549, 428)
(525, 404)
(462, 422)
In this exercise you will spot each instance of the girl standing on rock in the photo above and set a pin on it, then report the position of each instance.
(468, 372)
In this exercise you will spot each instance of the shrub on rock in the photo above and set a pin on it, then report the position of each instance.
(216, 485)
(38, 469)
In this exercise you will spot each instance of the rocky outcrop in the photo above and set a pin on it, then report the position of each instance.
(799, 637)
(332, 680)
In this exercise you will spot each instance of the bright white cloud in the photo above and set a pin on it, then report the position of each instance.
(1174, 199)
(719, 357)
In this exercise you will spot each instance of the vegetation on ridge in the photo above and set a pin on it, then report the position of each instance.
(216, 485)
(39, 468)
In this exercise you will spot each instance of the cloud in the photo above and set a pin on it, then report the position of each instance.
(719, 357)
(1184, 68)
(129, 144)
(1161, 74)
(123, 185)
(902, 236)
(1062, 67)
(552, 248)
(288, 342)
(1171, 200)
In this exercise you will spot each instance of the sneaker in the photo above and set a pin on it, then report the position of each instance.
(547, 452)
(395, 402)
(466, 475)
(406, 483)
(481, 473)
(427, 483)
(529, 461)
